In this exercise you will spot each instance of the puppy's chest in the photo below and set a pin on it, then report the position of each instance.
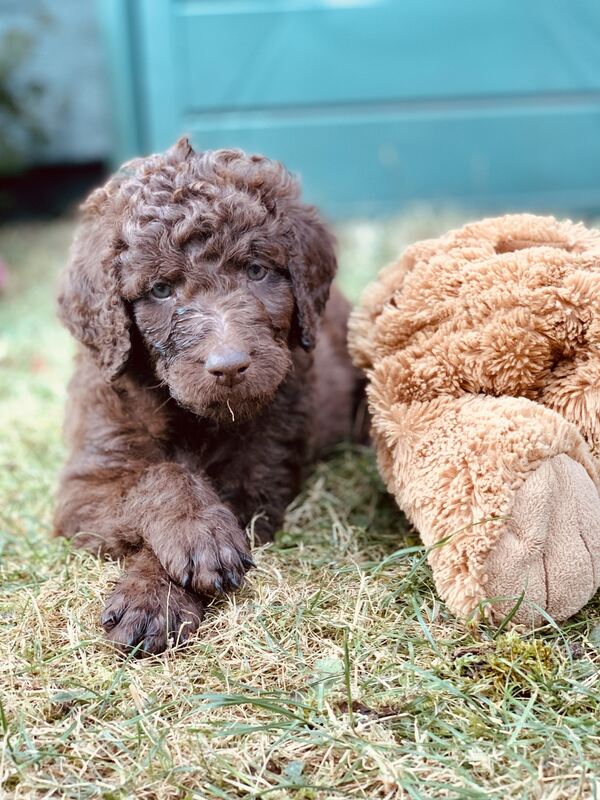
(244, 459)
(230, 460)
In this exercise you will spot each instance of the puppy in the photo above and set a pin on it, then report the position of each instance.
(212, 370)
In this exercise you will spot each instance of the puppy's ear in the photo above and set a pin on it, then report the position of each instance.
(312, 270)
(89, 301)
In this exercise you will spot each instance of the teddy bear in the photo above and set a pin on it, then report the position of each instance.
(482, 355)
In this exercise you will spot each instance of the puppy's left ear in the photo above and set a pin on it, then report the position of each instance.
(312, 270)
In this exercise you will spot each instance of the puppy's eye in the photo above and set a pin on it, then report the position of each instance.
(256, 272)
(161, 290)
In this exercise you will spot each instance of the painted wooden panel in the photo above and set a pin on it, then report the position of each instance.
(490, 158)
(380, 103)
(236, 55)
(118, 26)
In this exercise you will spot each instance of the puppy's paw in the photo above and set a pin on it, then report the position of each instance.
(150, 616)
(209, 555)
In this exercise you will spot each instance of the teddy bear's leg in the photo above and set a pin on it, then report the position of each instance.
(507, 489)
(558, 504)
(550, 547)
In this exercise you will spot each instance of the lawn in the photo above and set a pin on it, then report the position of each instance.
(336, 672)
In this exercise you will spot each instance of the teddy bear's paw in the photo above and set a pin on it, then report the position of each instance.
(550, 547)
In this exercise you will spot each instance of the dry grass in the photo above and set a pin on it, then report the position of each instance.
(335, 673)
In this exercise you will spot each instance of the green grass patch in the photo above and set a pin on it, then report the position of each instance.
(336, 672)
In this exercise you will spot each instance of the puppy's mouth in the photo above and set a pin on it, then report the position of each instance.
(236, 404)
(225, 406)
(227, 413)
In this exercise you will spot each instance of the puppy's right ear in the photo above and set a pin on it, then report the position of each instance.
(90, 304)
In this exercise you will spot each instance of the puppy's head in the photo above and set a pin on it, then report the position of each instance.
(216, 262)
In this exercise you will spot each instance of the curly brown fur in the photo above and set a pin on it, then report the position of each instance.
(211, 374)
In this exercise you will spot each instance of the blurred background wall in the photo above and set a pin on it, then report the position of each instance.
(52, 73)
(378, 104)
(55, 111)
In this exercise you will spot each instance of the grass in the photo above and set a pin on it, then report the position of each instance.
(336, 672)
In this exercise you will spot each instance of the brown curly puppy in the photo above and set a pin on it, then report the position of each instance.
(206, 382)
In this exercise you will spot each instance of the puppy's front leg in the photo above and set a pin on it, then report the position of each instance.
(196, 538)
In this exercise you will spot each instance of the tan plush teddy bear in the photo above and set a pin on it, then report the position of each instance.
(482, 350)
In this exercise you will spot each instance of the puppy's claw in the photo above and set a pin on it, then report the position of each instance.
(248, 562)
(218, 585)
(146, 648)
(182, 635)
(187, 579)
(232, 579)
(110, 618)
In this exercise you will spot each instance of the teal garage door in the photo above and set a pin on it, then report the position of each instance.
(491, 104)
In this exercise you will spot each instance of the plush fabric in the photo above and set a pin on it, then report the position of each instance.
(482, 351)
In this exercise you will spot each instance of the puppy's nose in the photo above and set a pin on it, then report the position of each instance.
(228, 365)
